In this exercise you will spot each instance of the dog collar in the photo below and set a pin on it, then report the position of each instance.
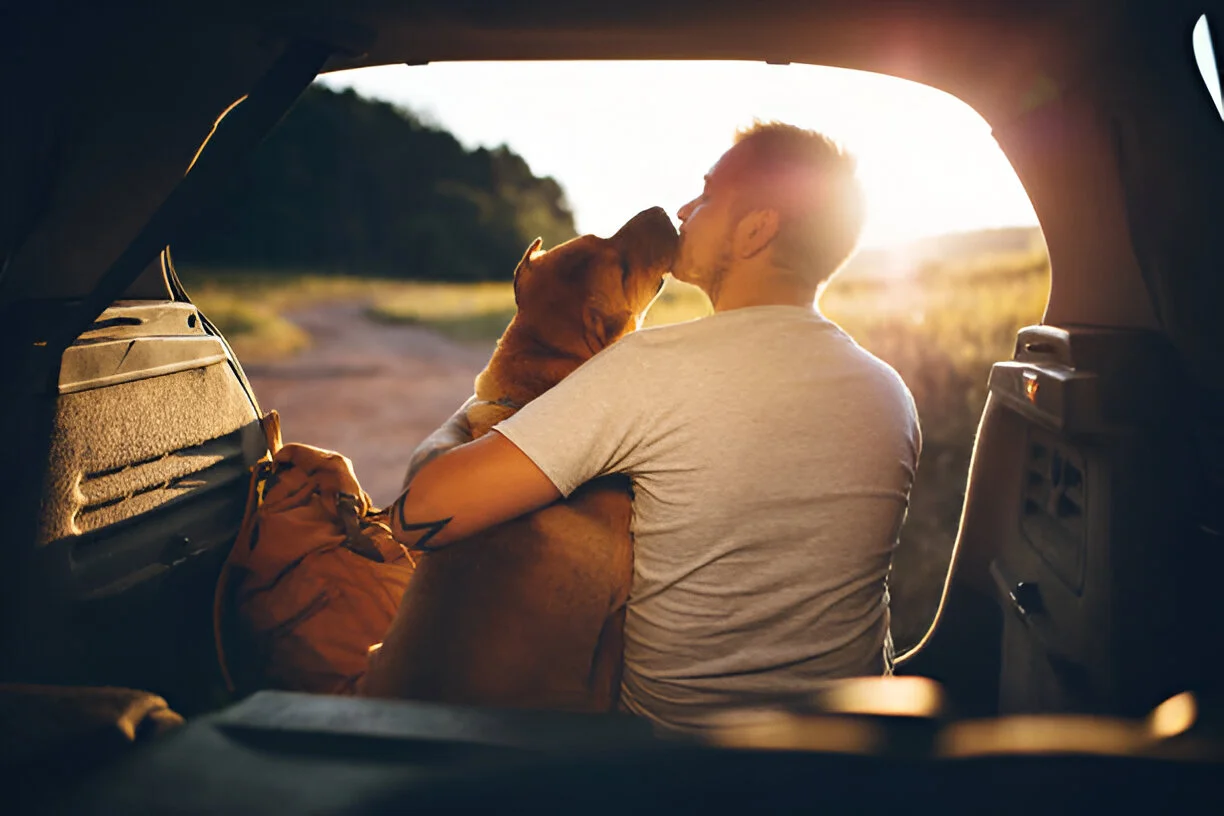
(502, 402)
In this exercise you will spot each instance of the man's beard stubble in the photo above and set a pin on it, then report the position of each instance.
(717, 274)
(708, 280)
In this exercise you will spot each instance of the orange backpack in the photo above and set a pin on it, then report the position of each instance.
(314, 577)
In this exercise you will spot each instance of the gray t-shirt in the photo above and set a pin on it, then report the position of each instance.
(771, 459)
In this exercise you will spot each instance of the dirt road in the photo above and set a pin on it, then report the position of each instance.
(369, 390)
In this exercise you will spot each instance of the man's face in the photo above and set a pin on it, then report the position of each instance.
(705, 229)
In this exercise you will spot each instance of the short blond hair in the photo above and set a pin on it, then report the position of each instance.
(810, 180)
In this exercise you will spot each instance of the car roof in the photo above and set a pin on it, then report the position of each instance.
(909, 40)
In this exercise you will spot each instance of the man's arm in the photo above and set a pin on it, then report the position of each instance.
(466, 490)
(584, 426)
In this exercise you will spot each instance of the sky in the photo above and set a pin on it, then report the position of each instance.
(624, 136)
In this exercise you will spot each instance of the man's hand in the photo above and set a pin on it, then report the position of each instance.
(467, 490)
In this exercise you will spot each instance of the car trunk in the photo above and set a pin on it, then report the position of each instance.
(131, 425)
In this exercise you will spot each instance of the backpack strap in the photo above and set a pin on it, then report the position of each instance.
(270, 423)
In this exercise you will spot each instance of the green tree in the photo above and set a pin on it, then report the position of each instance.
(348, 185)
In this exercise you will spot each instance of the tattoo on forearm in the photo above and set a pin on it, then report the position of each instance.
(430, 528)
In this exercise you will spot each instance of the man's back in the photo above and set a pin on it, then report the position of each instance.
(771, 460)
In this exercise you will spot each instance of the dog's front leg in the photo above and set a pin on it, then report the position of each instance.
(452, 433)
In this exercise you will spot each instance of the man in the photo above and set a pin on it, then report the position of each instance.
(771, 457)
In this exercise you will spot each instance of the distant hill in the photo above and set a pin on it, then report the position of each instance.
(945, 251)
(348, 185)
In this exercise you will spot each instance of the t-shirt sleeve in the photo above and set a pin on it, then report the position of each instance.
(588, 425)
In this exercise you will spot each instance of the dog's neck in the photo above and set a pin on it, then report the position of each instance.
(523, 367)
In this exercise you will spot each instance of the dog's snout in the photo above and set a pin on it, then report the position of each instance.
(651, 236)
(650, 223)
(656, 213)
(656, 218)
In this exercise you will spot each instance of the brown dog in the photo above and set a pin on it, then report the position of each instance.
(530, 613)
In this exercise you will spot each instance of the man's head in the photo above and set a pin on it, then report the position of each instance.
(782, 203)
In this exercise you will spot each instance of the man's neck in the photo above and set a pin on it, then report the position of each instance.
(744, 287)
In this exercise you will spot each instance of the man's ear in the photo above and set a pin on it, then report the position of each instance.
(601, 328)
(521, 271)
(754, 232)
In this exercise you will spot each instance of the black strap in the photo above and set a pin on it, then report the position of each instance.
(230, 144)
(180, 294)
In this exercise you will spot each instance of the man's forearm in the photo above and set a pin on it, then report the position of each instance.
(415, 535)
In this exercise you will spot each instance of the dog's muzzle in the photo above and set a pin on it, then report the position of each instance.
(649, 238)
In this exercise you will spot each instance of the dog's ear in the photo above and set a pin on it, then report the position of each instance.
(521, 271)
(600, 328)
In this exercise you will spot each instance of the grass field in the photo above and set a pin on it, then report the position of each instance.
(940, 328)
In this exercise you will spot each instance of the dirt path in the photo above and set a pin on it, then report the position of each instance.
(368, 390)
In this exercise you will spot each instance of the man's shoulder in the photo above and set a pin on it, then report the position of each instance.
(888, 387)
(668, 331)
(654, 338)
(880, 377)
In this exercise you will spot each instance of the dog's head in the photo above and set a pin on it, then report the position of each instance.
(588, 292)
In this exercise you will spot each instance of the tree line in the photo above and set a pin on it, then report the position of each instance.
(349, 185)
